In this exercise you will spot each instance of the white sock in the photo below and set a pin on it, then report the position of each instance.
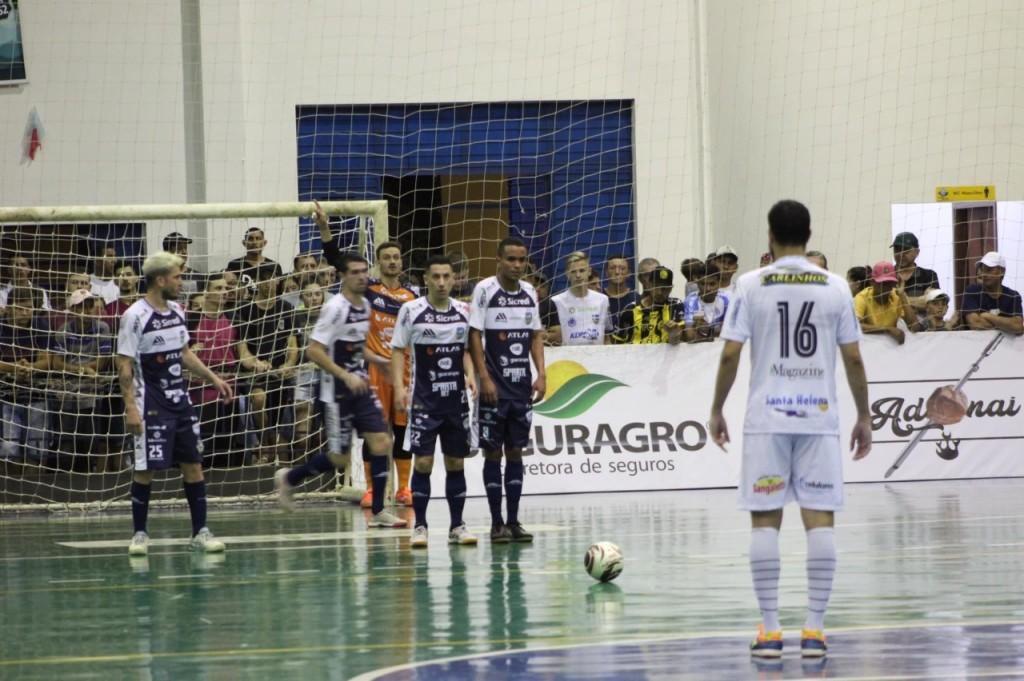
(821, 568)
(764, 569)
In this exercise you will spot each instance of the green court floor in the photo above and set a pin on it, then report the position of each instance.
(314, 595)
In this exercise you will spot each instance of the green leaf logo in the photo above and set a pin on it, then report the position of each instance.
(577, 396)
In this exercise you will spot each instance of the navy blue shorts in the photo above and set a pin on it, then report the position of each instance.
(505, 425)
(424, 428)
(168, 440)
(362, 413)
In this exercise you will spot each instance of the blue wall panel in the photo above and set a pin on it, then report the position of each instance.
(569, 164)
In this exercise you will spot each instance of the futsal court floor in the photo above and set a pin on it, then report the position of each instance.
(929, 586)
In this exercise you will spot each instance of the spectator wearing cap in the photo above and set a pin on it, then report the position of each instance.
(882, 305)
(82, 349)
(915, 281)
(656, 317)
(990, 305)
(727, 262)
(247, 265)
(704, 310)
(936, 309)
(818, 258)
(191, 281)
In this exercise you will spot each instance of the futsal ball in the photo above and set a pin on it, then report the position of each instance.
(947, 405)
(603, 561)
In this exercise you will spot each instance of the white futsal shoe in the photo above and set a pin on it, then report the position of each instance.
(419, 538)
(139, 545)
(205, 541)
(284, 490)
(462, 536)
(387, 519)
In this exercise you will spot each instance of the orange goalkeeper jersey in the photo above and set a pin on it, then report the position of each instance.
(384, 305)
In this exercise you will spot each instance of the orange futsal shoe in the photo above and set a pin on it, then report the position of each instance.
(404, 497)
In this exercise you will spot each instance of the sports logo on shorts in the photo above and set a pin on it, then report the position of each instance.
(769, 484)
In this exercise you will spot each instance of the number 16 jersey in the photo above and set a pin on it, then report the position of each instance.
(795, 316)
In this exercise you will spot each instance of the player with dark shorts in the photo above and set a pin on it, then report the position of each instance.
(152, 351)
(505, 334)
(434, 330)
(344, 389)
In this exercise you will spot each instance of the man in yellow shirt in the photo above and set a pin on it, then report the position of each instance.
(880, 306)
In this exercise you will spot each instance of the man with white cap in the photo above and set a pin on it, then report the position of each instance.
(990, 305)
(936, 308)
(727, 261)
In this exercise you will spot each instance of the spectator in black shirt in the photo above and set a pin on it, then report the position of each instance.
(191, 281)
(915, 281)
(246, 266)
(267, 326)
(989, 304)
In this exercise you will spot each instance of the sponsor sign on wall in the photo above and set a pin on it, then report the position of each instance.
(634, 418)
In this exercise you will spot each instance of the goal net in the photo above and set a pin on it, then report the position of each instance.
(254, 282)
(656, 131)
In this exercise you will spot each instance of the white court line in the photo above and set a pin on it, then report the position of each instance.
(289, 538)
(77, 581)
(380, 673)
(192, 576)
(293, 572)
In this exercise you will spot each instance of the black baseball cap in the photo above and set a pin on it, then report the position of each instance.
(661, 276)
(905, 241)
(175, 238)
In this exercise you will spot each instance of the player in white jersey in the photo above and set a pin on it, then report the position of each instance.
(583, 317)
(505, 333)
(433, 330)
(152, 350)
(795, 316)
(337, 347)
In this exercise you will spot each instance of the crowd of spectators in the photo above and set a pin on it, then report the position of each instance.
(251, 322)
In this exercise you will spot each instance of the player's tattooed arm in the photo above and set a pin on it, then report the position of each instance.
(126, 380)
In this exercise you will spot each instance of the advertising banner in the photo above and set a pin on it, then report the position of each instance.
(619, 418)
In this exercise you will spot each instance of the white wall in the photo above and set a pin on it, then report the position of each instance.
(105, 76)
(850, 107)
(329, 52)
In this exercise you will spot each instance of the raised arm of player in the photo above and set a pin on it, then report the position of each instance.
(860, 438)
(196, 366)
(727, 366)
(317, 353)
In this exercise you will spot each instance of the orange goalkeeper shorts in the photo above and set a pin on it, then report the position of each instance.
(380, 381)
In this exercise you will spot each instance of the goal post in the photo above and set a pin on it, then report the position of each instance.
(62, 442)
